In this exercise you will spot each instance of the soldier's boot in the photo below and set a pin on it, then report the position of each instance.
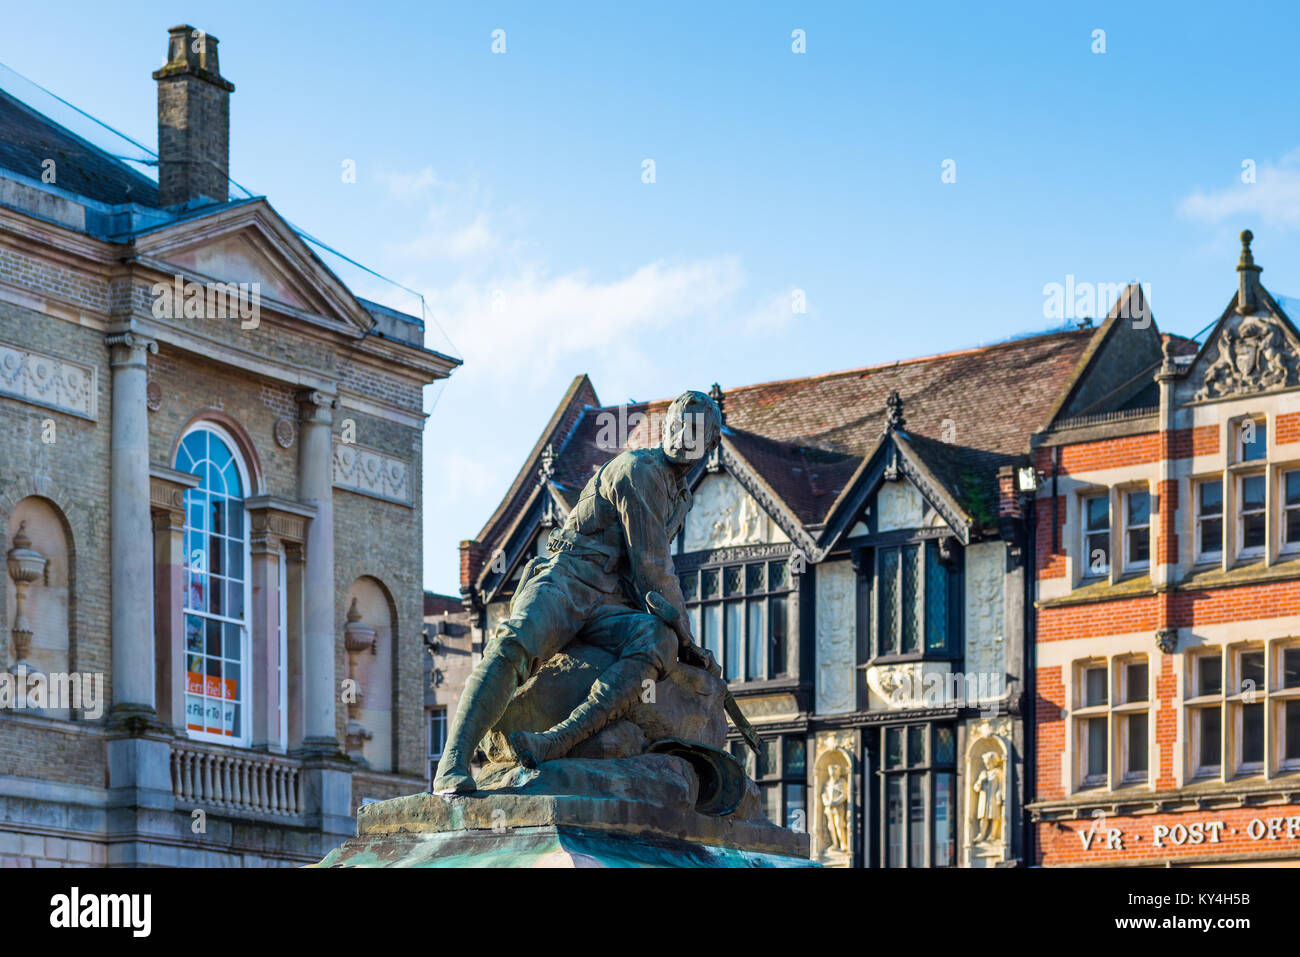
(487, 693)
(611, 696)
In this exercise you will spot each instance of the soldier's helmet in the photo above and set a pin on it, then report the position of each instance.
(692, 427)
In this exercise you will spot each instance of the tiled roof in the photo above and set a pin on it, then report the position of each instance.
(966, 413)
(27, 139)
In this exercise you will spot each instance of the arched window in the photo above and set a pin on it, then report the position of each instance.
(216, 588)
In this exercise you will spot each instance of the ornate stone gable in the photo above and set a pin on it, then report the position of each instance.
(1247, 354)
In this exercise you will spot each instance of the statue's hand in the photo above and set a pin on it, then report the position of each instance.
(700, 658)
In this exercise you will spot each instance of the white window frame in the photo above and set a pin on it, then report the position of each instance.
(1129, 561)
(1086, 533)
(1084, 714)
(1236, 703)
(1125, 710)
(1278, 697)
(1257, 551)
(1201, 518)
(1284, 509)
(245, 699)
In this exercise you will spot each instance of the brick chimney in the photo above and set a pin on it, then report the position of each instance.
(193, 120)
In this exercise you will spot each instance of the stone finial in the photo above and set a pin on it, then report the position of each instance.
(354, 613)
(894, 421)
(720, 400)
(1247, 277)
(20, 537)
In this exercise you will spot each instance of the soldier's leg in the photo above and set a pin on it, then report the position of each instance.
(543, 619)
(648, 651)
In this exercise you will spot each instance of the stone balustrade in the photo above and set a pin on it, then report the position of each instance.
(236, 781)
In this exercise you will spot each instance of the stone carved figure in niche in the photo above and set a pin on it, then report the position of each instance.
(988, 798)
(835, 804)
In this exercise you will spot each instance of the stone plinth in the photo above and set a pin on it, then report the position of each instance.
(578, 812)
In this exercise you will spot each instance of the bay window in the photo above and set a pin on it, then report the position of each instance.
(915, 601)
(740, 613)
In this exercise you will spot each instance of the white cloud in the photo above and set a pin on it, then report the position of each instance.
(1272, 200)
(468, 242)
(772, 314)
(410, 185)
(528, 322)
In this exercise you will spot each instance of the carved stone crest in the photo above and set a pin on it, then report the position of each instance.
(1254, 355)
(284, 433)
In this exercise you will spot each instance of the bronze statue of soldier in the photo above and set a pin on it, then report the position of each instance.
(613, 551)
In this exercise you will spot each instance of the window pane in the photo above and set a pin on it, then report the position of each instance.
(731, 579)
(768, 755)
(889, 601)
(713, 630)
(1253, 530)
(777, 576)
(693, 612)
(1254, 440)
(910, 600)
(1137, 743)
(893, 747)
(755, 641)
(936, 600)
(1292, 491)
(1211, 738)
(916, 819)
(1252, 671)
(709, 578)
(1252, 733)
(1211, 498)
(772, 803)
(1136, 682)
(776, 622)
(894, 820)
(690, 585)
(795, 815)
(734, 633)
(1291, 747)
(1098, 557)
(1139, 545)
(795, 758)
(1212, 535)
(1097, 749)
(1139, 508)
(1097, 513)
(1291, 668)
(916, 745)
(944, 831)
(945, 745)
(1096, 687)
(1209, 671)
(754, 578)
(1252, 492)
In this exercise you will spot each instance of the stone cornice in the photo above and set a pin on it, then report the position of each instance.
(273, 519)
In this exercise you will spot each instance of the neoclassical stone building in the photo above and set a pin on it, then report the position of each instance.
(857, 559)
(210, 484)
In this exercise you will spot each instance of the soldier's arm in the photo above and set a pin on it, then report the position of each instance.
(643, 511)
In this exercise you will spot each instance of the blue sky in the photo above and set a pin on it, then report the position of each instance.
(508, 188)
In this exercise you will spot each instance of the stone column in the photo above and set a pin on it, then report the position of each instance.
(316, 490)
(130, 554)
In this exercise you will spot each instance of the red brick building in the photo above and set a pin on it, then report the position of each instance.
(1167, 671)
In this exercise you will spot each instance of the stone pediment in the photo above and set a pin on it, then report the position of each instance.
(250, 244)
(1245, 355)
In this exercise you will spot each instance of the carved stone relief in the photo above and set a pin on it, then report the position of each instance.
(985, 639)
(899, 505)
(48, 380)
(836, 637)
(1253, 355)
(371, 473)
(723, 514)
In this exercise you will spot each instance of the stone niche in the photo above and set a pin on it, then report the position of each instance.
(833, 800)
(48, 598)
(987, 841)
(368, 599)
